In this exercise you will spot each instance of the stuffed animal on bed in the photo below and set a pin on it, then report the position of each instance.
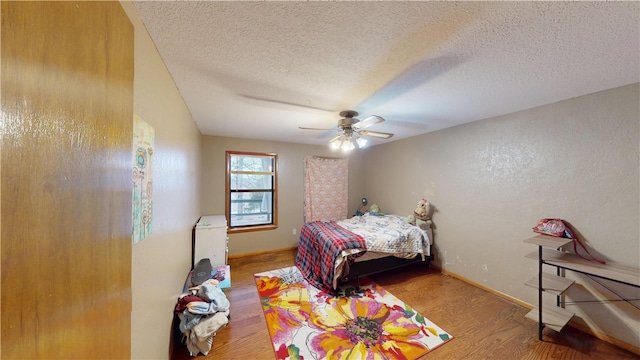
(422, 210)
(375, 210)
(420, 216)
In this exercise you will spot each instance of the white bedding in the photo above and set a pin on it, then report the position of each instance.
(388, 235)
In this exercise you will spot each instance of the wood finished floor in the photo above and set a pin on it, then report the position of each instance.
(484, 325)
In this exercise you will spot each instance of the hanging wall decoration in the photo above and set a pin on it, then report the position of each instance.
(143, 139)
(326, 188)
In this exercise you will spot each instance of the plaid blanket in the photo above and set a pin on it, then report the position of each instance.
(319, 246)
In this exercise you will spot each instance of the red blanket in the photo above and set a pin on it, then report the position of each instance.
(321, 243)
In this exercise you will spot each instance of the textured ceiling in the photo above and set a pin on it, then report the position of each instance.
(260, 70)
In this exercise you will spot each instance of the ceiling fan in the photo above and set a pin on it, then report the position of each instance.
(353, 131)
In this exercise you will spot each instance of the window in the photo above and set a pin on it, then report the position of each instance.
(251, 191)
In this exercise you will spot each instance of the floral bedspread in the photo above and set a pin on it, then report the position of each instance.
(389, 234)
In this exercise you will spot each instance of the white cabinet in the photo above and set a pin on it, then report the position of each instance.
(210, 240)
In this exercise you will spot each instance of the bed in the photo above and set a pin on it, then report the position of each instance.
(330, 252)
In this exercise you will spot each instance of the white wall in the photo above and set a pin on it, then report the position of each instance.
(162, 260)
(492, 180)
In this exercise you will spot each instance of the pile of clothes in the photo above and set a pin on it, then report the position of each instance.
(202, 311)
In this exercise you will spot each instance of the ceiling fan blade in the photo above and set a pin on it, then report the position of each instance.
(376, 134)
(368, 121)
(275, 101)
(307, 128)
(334, 138)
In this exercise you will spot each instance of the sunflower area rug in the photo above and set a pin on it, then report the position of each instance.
(363, 323)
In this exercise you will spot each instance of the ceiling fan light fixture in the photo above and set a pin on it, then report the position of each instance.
(361, 142)
(352, 131)
(336, 143)
(348, 145)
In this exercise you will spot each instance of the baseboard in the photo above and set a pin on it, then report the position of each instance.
(604, 337)
(485, 288)
(572, 323)
(262, 252)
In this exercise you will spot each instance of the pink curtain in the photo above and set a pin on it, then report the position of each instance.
(326, 183)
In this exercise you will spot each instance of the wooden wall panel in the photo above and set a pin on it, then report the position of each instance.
(67, 112)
